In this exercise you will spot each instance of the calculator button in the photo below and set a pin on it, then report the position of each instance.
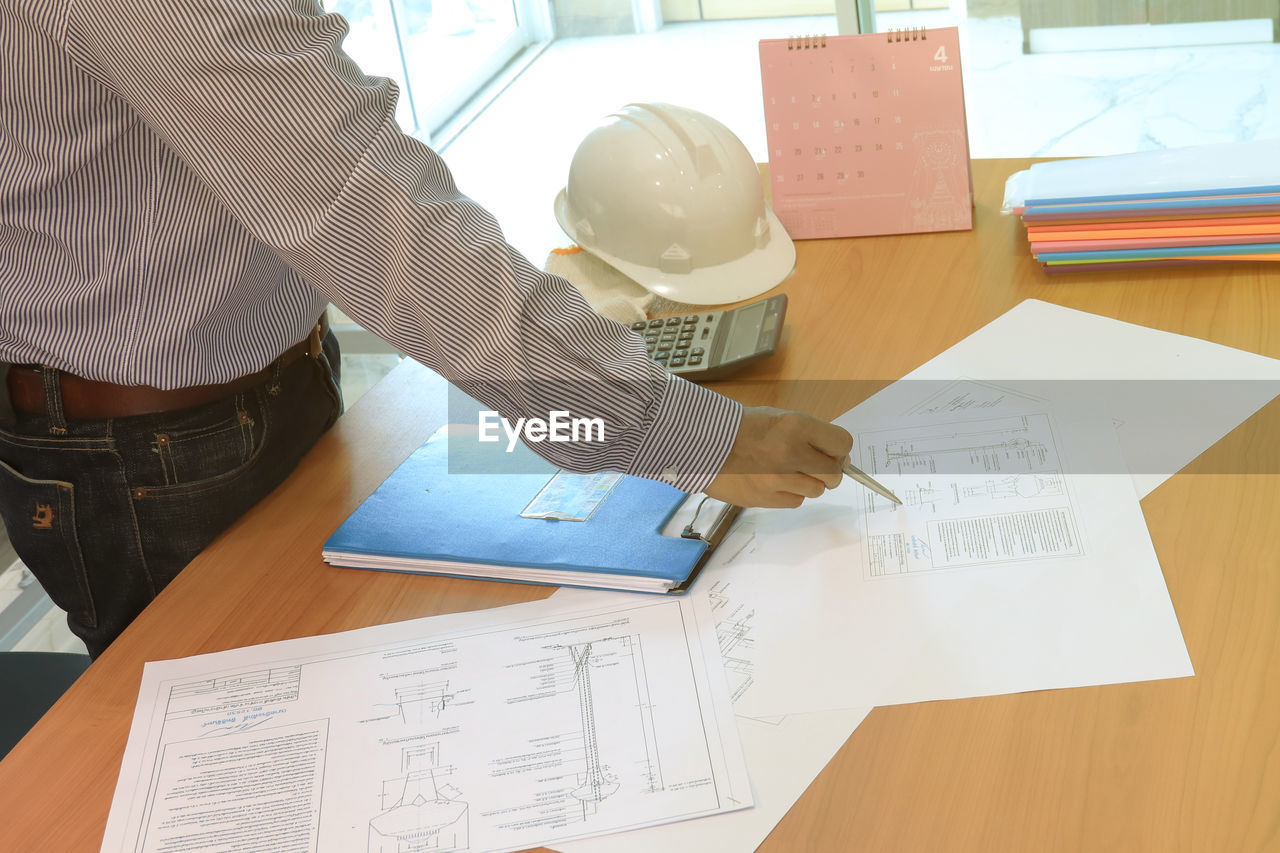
(649, 347)
(677, 362)
(695, 359)
(656, 324)
(662, 356)
(681, 353)
(665, 346)
(697, 351)
(691, 319)
(650, 339)
(668, 339)
(686, 339)
(639, 324)
(673, 321)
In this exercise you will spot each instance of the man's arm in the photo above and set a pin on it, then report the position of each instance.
(261, 103)
(302, 148)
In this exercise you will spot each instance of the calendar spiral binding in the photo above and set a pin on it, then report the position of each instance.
(907, 34)
(806, 42)
(891, 36)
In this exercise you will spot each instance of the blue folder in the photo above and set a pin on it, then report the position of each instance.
(455, 509)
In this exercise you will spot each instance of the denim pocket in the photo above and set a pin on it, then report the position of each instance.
(207, 445)
(42, 529)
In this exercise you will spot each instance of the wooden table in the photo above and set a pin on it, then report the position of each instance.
(1188, 764)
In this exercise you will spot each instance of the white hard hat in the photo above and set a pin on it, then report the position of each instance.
(672, 198)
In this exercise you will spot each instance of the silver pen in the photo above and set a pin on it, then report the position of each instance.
(870, 483)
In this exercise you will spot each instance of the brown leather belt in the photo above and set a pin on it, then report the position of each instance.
(91, 399)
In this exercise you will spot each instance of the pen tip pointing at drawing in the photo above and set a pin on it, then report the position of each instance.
(866, 480)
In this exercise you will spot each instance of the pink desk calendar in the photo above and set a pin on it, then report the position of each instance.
(867, 133)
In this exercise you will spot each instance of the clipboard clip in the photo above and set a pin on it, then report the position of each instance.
(717, 526)
(702, 519)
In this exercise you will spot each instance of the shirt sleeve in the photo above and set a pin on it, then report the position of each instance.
(259, 100)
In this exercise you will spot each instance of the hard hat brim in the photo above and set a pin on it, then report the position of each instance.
(750, 275)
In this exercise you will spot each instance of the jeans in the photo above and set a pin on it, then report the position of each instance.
(108, 512)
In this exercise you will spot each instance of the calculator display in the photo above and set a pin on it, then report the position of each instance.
(745, 332)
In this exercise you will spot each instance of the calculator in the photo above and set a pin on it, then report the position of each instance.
(715, 344)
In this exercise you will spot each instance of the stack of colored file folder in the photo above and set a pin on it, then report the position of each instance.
(1209, 204)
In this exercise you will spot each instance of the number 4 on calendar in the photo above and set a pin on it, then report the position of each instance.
(940, 55)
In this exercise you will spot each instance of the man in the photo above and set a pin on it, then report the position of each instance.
(183, 188)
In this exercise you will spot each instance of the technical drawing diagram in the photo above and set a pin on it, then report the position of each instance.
(614, 664)
(595, 747)
(598, 782)
(976, 492)
(421, 811)
(734, 627)
(996, 445)
(228, 695)
(1048, 484)
(421, 704)
(929, 497)
(923, 496)
(971, 395)
(915, 454)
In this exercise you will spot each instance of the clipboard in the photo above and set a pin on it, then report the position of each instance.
(464, 509)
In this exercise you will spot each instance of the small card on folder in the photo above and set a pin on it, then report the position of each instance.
(457, 509)
(867, 133)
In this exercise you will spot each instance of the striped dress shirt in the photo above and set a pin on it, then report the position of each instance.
(185, 185)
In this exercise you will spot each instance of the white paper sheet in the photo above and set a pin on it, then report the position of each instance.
(495, 730)
(1004, 571)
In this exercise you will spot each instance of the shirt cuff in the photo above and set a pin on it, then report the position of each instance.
(690, 438)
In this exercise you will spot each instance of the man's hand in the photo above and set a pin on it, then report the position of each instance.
(780, 458)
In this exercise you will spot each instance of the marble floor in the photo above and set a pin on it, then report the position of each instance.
(513, 158)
